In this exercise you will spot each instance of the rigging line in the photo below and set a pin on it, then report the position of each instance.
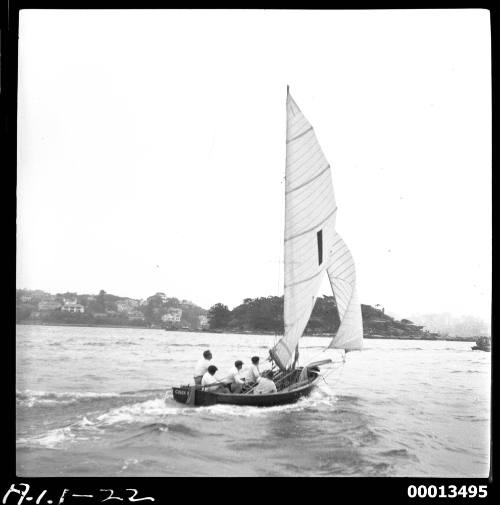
(281, 239)
(313, 359)
(283, 206)
(333, 369)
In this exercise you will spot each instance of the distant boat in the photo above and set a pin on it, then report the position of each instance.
(482, 344)
(312, 246)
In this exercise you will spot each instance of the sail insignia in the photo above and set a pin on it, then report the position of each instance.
(319, 236)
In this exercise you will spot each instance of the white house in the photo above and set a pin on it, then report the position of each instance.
(172, 316)
(73, 307)
(203, 321)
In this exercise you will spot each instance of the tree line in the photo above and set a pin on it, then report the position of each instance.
(266, 314)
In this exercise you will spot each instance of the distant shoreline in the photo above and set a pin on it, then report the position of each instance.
(322, 335)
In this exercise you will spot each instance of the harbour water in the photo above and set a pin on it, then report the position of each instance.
(97, 402)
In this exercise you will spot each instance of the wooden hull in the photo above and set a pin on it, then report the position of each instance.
(205, 398)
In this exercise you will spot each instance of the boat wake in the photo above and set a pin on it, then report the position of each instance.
(94, 425)
(31, 398)
(154, 415)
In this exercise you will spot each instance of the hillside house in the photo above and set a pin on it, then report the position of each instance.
(173, 315)
(48, 305)
(128, 305)
(73, 308)
(136, 316)
(203, 321)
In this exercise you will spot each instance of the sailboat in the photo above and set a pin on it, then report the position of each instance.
(312, 247)
(482, 344)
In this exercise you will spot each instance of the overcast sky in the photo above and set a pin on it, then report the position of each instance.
(152, 146)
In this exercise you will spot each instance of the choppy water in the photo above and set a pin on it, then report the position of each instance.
(90, 402)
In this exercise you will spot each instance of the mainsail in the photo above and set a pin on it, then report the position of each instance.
(311, 243)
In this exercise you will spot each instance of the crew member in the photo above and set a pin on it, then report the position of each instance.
(211, 382)
(201, 367)
(235, 379)
(265, 386)
(252, 373)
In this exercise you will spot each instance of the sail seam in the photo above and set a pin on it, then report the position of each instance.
(313, 227)
(342, 263)
(306, 162)
(345, 270)
(304, 155)
(341, 256)
(346, 279)
(336, 242)
(298, 208)
(316, 156)
(301, 157)
(303, 221)
(342, 291)
(298, 123)
(304, 280)
(343, 297)
(309, 181)
(299, 135)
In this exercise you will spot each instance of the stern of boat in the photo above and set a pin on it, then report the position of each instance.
(181, 394)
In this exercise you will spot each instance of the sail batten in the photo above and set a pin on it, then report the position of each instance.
(296, 188)
(307, 130)
(311, 244)
(312, 228)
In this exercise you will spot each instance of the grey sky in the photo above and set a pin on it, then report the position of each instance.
(152, 147)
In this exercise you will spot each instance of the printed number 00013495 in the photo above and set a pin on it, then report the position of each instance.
(449, 491)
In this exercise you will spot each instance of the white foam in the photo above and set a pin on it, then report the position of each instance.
(66, 394)
(86, 422)
(54, 438)
(30, 398)
(249, 411)
(127, 462)
(143, 412)
(319, 395)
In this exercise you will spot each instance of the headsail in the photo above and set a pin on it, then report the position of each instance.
(342, 277)
(310, 237)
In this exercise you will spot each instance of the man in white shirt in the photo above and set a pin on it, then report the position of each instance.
(235, 379)
(201, 367)
(211, 382)
(264, 387)
(252, 373)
